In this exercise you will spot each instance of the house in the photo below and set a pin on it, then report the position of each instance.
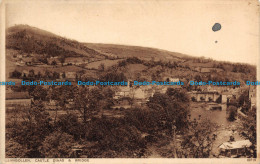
(17, 99)
(172, 79)
(28, 61)
(225, 97)
(124, 102)
(205, 70)
(123, 92)
(25, 73)
(234, 148)
(252, 95)
(70, 75)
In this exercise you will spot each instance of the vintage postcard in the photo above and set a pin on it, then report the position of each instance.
(120, 81)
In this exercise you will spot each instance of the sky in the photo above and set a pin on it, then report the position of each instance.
(183, 26)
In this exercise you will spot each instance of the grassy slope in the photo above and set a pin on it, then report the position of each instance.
(136, 51)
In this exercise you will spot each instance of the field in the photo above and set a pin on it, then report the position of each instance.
(107, 63)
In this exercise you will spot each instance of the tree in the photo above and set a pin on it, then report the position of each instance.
(70, 124)
(43, 60)
(31, 73)
(232, 113)
(101, 67)
(57, 145)
(31, 131)
(47, 74)
(54, 63)
(16, 74)
(115, 138)
(14, 149)
(63, 75)
(39, 93)
(56, 75)
(39, 75)
(198, 140)
(248, 129)
(87, 101)
(62, 60)
(113, 76)
(172, 106)
(243, 101)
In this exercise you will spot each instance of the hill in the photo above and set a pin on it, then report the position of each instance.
(32, 48)
(29, 39)
(137, 51)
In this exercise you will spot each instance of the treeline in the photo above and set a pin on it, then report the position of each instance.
(225, 66)
(31, 75)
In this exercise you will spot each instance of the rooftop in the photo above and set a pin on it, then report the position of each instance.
(235, 145)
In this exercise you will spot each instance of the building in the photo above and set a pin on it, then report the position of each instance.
(172, 79)
(124, 102)
(25, 73)
(225, 97)
(234, 148)
(252, 95)
(70, 75)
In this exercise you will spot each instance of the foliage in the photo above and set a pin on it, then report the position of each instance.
(116, 139)
(198, 140)
(14, 149)
(57, 145)
(39, 93)
(16, 74)
(248, 129)
(113, 76)
(232, 113)
(32, 130)
(70, 124)
(172, 108)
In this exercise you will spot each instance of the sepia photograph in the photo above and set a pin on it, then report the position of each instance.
(84, 80)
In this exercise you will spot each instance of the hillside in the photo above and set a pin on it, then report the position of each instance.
(137, 51)
(30, 48)
(29, 39)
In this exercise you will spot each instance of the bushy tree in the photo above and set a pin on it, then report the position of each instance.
(172, 107)
(31, 131)
(57, 145)
(16, 74)
(39, 93)
(198, 140)
(14, 150)
(232, 113)
(248, 129)
(115, 138)
(70, 124)
(101, 67)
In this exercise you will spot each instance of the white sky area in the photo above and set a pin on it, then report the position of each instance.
(178, 26)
